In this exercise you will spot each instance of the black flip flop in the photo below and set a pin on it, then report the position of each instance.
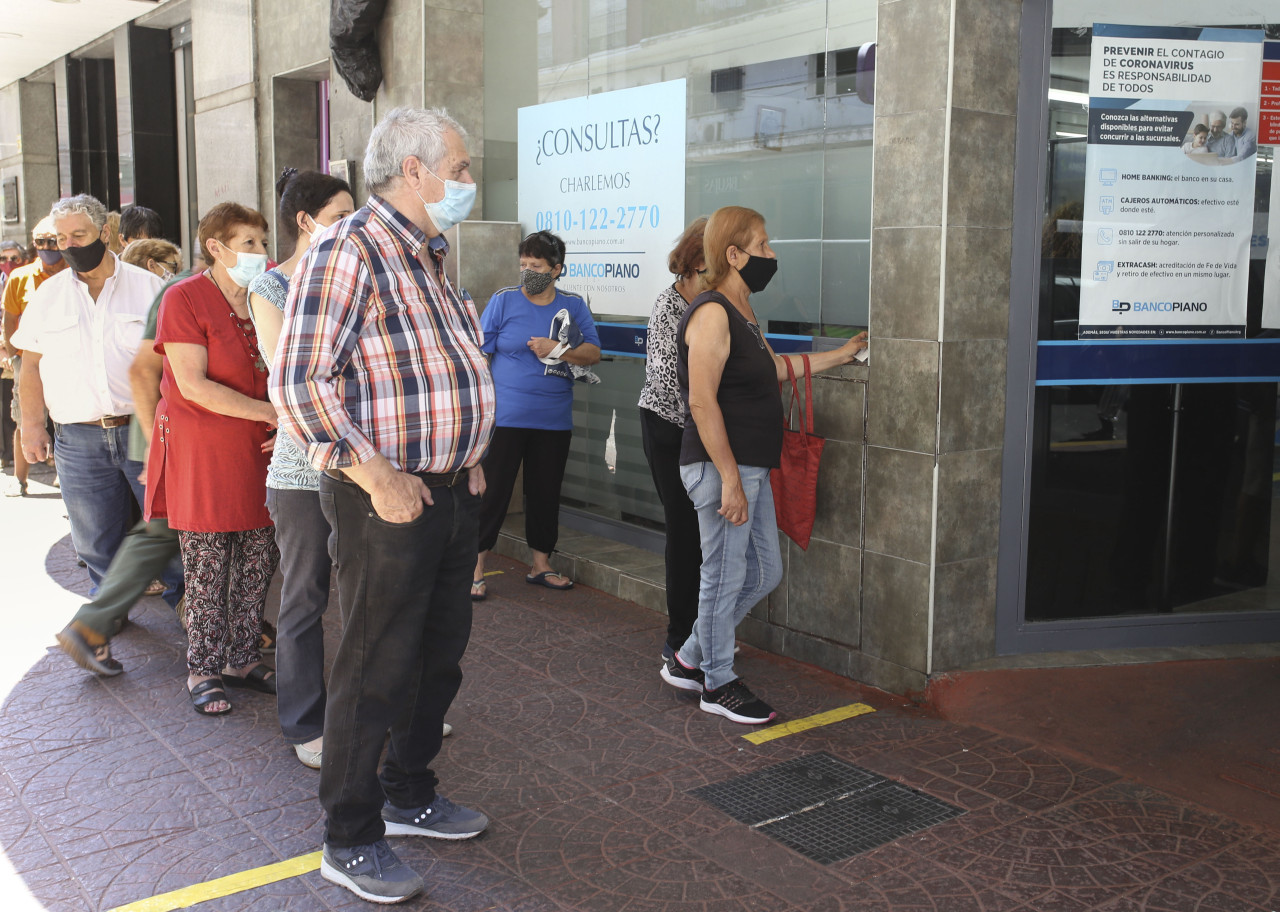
(207, 692)
(254, 680)
(540, 579)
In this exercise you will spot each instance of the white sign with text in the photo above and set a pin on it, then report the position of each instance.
(1169, 182)
(607, 174)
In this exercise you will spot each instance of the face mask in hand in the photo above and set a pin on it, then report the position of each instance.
(535, 282)
(757, 272)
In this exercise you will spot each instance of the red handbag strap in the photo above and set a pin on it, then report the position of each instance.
(791, 406)
(808, 394)
(807, 425)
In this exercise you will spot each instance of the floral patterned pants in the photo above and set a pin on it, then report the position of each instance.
(227, 575)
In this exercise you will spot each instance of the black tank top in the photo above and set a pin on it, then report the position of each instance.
(748, 393)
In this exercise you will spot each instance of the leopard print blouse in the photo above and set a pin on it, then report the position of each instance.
(661, 391)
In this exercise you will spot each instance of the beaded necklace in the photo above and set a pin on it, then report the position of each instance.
(245, 328)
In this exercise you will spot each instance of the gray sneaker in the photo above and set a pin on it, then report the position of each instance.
(441, 819)
(372, 872)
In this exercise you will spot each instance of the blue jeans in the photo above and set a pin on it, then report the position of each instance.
(99, 489)
(740, 565)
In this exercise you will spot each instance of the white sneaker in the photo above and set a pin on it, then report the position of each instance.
(448, 730)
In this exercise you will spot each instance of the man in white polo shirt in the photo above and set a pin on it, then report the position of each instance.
(79, 334)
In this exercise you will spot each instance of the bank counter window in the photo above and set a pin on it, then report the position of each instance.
(1154, 471)
(781, 124)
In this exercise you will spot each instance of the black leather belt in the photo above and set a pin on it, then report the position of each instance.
(430, 479)
(109, 421)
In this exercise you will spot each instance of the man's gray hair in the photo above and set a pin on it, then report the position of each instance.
(82, 204)
(1216, 116)
(404, 132)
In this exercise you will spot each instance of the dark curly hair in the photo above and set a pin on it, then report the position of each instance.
(304, 191)
(545, 246)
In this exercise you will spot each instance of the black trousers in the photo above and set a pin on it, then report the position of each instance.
(302, 535)
(544, 454)
(661, 440)
(405, 594)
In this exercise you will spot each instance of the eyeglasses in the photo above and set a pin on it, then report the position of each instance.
(172, 267)
(45, 243)
(11, 259)
(755, 331)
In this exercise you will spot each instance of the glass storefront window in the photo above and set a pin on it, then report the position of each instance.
(778, 118)
(1154, 473)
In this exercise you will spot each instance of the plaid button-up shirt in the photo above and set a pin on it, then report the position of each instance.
(377, 355)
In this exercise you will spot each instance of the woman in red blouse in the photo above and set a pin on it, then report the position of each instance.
(207, 468)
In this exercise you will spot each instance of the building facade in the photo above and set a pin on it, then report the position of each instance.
(994, 482)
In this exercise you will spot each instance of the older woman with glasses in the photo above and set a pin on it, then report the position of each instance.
(158, 257)
(207, 469)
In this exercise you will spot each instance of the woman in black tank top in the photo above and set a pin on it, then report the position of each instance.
(729, 378)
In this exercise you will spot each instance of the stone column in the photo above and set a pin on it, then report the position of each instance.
(30, 152)
(946, 95)
(226, 97)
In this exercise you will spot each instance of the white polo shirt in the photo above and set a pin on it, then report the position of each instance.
(86, 346)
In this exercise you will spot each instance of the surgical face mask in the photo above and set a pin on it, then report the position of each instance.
(456, 205)
(49, 257)
(757, 272)
(534, 282)
(247, 268)
(86, 258)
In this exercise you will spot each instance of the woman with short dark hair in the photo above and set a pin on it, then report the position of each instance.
(310, 202)
(207, 468)
(662, 423)
(537, 337)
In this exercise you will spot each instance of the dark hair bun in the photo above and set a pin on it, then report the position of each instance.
(286, 175)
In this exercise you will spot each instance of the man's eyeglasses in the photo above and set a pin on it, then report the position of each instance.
(45, 243)
(11, 258)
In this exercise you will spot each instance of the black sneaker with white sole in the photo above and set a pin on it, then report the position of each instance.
(736, 702)
(372, 872)
(441, 819)
(678, 674)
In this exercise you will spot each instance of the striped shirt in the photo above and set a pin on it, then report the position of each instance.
(379, 356)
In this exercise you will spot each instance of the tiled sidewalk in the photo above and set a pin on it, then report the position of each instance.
(115, 791)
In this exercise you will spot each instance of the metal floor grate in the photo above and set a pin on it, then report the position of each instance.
(824, 808)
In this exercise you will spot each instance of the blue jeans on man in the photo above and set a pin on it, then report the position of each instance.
(740, 565)
(99, 489)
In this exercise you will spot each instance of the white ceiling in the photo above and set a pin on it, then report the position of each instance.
(50, 29)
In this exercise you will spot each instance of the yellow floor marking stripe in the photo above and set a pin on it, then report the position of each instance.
(226, 886)
(493, 573)
(773, 732)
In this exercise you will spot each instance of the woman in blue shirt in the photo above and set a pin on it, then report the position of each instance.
(535, 401)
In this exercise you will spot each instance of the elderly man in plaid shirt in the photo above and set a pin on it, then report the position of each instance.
(381, 378)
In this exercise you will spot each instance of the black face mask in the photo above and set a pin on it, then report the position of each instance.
(86, 258)
(757, 272)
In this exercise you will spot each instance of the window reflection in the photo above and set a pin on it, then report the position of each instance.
(782, 124)
(1146, 497)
